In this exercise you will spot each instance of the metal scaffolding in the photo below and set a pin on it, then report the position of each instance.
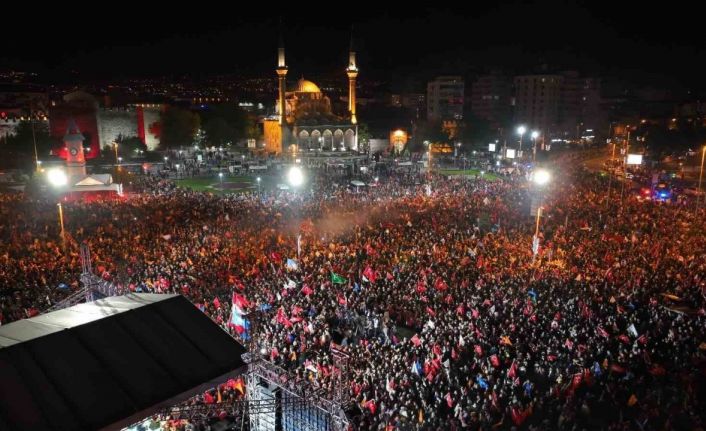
(273, 396)
(94, 287)
(294, 400)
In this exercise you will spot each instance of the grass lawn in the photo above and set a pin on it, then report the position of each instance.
(236, 184)
(471, 172)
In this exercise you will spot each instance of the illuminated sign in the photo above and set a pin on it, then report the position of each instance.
(634, 159)
(491, 147)
(510, 153)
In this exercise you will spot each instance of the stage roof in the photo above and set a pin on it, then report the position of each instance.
(109, 363)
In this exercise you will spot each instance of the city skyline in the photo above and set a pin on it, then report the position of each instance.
(516, 37)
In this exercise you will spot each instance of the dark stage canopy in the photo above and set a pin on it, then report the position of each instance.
(109, 363)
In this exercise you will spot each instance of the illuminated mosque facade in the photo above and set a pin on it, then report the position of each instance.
(304, 120)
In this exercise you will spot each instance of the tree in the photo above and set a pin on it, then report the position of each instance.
(130, 145)
(178, 127)
(363, 138)
(475, 132)
(19, 147)
(431, 131)
(229, 123)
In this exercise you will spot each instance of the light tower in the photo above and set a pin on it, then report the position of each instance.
(282, 80)
(352, 72)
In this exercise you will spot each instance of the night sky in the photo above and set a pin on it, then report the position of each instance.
(662, 46)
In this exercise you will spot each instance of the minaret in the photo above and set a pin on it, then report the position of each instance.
(352, 72)
(75, 160)
(282, 79)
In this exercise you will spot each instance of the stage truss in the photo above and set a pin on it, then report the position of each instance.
(94, 287)
(296, 395)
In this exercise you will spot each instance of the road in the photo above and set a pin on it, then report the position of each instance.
(596, 160)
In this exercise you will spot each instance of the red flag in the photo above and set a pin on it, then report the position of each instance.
(369, 274)
(421, 288)
(602, 332)
(576, 380)
(341, 299)
(431, 312)
(440, 284)
(296, 310)
(449, 400)
(569, 344)
(495, 361)
(208, 398)
(389, 276)
(512, 372)
(657, 370)
(460, 309)
(617, 368)
(478, 349)
(216, 302)
(454, 355)
(518, 416)
(415, 340)
(371, 406)
(475, 313)
(436, 350)
(282, 318)
(306, 290)
(240, 301)
(624, 338)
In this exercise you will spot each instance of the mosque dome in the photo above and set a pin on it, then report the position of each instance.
(304, 86)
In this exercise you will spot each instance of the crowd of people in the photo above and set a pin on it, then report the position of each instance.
(450, 319)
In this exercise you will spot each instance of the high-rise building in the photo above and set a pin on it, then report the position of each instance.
(537, 102)
(490, 99)
(563, 105)
(445, 96)
(579, 106)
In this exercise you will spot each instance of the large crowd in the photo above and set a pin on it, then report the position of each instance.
(451, 321)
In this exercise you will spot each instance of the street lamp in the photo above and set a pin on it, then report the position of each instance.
(61, 224)
(295, 176)
(57, 177)
(120, 160)
(258, 185)
(115, 147)
(521, 131)
(535, 135)
(540, 177)
(428, 145)
(701, 174)
(220, 177)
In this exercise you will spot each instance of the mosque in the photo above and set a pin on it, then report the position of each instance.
(304, 120)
